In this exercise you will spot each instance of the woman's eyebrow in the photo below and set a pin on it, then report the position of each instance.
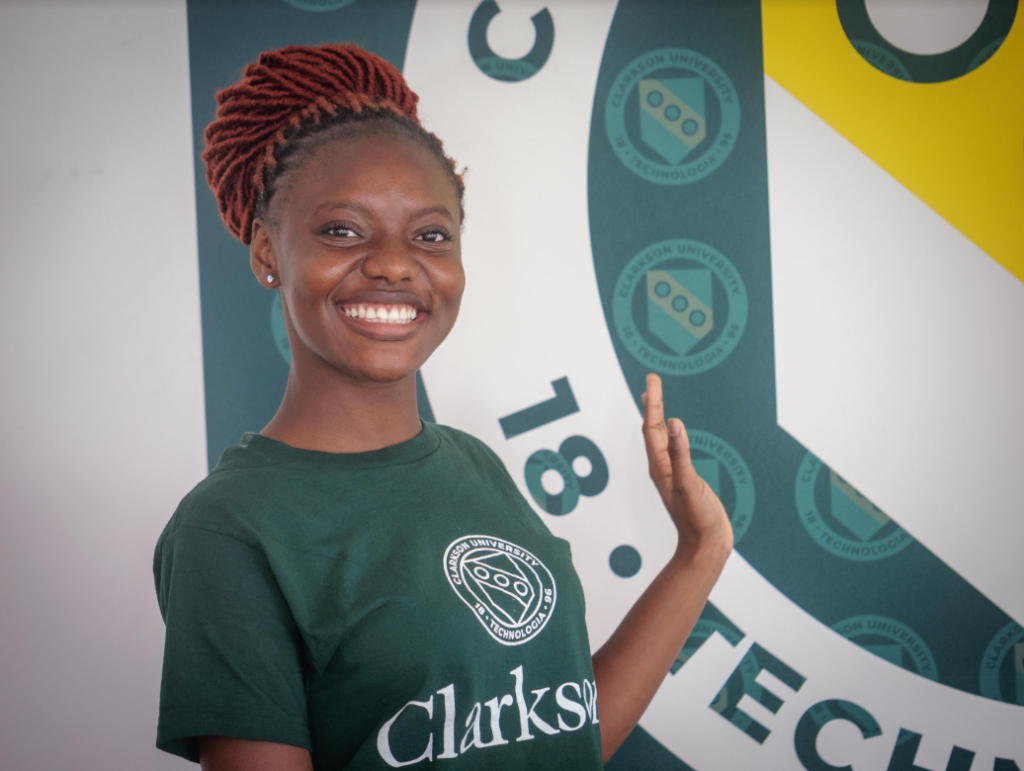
(353, 205)
(443, 211)
(363, 209)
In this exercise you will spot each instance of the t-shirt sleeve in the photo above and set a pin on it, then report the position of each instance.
(232, 654)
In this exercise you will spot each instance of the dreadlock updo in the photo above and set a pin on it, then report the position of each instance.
(289, 103)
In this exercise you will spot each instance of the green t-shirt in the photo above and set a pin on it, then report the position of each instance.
(404, 606)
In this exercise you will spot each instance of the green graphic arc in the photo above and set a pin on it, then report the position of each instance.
(702, 243)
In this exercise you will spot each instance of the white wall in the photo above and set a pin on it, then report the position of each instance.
(101, 403)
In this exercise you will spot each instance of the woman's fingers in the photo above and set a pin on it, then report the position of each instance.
(695, 509)
(656, 437)
(679, 455)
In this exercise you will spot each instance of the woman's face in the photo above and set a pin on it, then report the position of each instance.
(365, 242)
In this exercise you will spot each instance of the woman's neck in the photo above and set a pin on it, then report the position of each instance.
(345, 416)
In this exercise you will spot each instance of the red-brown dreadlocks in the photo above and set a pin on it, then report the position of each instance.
(289, 95)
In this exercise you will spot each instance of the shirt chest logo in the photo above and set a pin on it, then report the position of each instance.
(509, 590)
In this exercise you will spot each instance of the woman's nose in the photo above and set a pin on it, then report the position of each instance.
(391, 260)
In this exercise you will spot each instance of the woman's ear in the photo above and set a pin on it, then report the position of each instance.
(261, 256)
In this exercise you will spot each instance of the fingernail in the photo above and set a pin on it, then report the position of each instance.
(673, 428)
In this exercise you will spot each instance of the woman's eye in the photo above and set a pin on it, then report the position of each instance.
(435, 236)
(340, 231)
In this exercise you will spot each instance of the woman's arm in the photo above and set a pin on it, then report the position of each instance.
(629, 667)
(222, 753)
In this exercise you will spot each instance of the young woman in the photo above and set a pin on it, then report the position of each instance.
(352, 588)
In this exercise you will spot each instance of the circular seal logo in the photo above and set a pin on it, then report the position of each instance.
(319, 5)
(895, 642)
(1002, 666)
(841, 520)
(734, 488)
(680, 307)
(672, 116)
(509, 590)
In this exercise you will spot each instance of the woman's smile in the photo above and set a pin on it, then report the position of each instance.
(384, 315)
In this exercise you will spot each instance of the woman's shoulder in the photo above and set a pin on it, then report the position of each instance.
(226, 499)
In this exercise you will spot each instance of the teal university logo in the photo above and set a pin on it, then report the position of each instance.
(841, 520)
(891, 640)
(727, 474)
(1002, 666)
(498, 67)
(509, 590)
(680, 307)
(672, 116)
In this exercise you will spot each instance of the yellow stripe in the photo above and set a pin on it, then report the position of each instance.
(958, 145)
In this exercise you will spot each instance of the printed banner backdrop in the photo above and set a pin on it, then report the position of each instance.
(618, 223)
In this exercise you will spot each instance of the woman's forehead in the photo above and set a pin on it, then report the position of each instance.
(368, 165)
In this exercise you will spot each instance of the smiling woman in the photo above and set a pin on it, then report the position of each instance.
(352, 587)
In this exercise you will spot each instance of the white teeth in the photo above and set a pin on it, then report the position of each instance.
(387, 314)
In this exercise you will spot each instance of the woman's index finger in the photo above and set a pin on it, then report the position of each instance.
(654, 412)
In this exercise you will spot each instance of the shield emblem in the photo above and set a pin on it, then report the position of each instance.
(860, 516)
(505, 585)
(679, 307)
(672, 116)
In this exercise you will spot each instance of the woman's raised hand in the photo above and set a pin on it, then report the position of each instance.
(696, 511)
(631, 666)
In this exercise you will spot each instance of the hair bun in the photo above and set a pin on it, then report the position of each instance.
(280, 91)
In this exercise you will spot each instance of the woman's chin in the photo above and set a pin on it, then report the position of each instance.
(383, 371)
(389, 376)
(376, 363)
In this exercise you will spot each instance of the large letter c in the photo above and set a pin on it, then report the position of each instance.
(814, 719)
(384, 745)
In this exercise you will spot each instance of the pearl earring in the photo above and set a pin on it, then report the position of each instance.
(270, 279)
